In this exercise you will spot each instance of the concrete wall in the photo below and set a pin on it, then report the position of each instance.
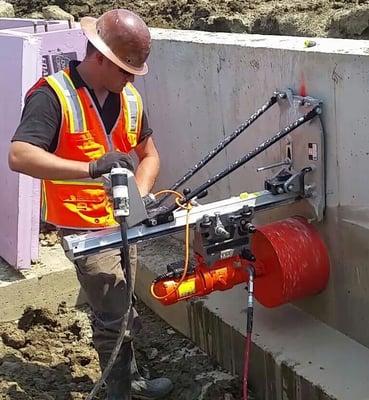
(201, 86)
(30, 25)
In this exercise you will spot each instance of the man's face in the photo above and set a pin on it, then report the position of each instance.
(114, 78)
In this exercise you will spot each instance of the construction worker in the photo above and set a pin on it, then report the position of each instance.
(76, 125)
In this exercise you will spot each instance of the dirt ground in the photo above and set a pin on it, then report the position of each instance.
(47, 356)
(332, 18)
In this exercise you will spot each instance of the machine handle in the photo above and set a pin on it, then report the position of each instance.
(287, 161)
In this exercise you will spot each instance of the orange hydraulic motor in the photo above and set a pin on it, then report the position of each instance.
(292, 262)
(201, 280)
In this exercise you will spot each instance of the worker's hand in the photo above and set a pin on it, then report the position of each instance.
(153, 212)
(104, 164)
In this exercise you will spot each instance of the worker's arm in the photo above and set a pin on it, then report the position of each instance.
(36, 138)
(148, 167)
(32, 160)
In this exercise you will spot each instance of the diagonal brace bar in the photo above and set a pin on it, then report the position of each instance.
(224, 143)
(249, 156)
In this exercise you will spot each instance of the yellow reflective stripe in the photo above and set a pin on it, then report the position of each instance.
(66, 91)
(128, 102)
(43, 202)
(133, 104)
(83, 116)
(133, 113)
(59, 90)
(139, 110)
(78, 182)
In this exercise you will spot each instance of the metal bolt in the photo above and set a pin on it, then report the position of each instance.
(153, 222)
(290, 187)
(251, 228)
(280, 190)
(309, 190)
(206, 218)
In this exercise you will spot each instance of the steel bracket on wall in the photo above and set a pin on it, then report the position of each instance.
(301, 149)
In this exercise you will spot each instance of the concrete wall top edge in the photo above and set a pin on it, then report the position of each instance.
(295, 43)
(322, 45)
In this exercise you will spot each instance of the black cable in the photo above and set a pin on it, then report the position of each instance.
(126, 266)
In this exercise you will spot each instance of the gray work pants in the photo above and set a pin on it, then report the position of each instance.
(102, 278)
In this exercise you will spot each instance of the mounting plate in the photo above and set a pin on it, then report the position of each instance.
(305, 146)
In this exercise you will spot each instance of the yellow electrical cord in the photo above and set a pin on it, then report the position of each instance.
(187, 207)
(177, 194)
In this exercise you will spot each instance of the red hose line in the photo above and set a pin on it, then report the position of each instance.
(249, 325)
(246, 366)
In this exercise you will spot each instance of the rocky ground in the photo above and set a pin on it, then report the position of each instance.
(47, 356)
(333, 18)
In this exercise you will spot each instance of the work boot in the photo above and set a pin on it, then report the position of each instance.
(147, 389)
(118, 382)
(150, 389)
(115, 390)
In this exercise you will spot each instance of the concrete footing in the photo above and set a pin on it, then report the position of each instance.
(51, 281)
(294, 356)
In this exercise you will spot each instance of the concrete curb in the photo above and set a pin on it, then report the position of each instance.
(50, 282)
(294, 356)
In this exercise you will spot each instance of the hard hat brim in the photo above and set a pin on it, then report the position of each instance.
(88, 26)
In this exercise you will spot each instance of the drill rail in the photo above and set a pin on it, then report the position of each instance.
(81, 245)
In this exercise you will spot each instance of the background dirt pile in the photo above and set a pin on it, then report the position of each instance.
(333, 18)
(48, 356)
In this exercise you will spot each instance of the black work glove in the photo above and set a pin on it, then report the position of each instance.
(104, 164)
(153, 212)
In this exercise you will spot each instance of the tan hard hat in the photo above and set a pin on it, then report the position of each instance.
(122, 37)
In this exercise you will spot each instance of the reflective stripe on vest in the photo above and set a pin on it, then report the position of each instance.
(67, 94)
(86, 181)
(133, 102)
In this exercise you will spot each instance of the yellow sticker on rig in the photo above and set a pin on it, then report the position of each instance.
(187, 288)
(246, 196)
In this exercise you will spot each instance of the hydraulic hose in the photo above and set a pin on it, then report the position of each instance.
(126, 266)
(250, 320)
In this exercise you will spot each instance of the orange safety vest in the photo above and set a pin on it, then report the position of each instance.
(83, 204)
